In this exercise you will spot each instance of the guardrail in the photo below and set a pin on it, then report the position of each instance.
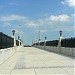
(7, 41)
(60, 50)
(6, 53)
(67, 42)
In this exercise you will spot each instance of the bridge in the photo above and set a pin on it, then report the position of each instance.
(21, 60)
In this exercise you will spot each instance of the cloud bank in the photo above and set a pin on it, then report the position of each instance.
(70, 3)
(51, 21)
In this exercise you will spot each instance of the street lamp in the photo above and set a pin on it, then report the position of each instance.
(45, 42)
(39, 42)
(19, 36)
(39, 37)
(59, 42)
(60, 38)
(13, 31)
(45, 38)
(60, 33)
(36, 43)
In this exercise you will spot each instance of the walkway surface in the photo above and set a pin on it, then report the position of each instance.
(33, 61)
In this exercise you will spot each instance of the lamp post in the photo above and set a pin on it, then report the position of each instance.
(45, 38)
(59, 42)
(36, 43)
(39, 37)
(60, 38)
(13, 31)
(60, 33)
(19, 40)
(32, 42)
(19, 35)
(45, 42)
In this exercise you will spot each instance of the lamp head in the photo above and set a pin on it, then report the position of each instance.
(13, 31)
(60, 33)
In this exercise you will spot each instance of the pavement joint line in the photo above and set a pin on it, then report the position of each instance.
(27, 55)
(68, 72)
(45, 67)
(43, 62)
(11, 71)
(8, 58)
(35, 72)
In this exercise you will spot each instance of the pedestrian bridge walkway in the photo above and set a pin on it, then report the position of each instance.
(34, 61)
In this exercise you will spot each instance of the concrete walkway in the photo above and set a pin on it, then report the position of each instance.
(33, 61)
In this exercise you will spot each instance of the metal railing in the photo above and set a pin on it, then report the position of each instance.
(6, 41)
(68, 42)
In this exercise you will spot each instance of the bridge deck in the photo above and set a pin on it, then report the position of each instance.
(33, 61)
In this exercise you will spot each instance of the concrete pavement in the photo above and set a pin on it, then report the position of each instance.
(33, 61)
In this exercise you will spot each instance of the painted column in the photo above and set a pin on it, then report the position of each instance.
(13, 31)
(60, 38)
(19, 39)
(14, 41)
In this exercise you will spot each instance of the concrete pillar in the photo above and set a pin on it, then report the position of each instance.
(60, 38)
(13, 31)
(14, 41)
(45, 44)
(59, 42)
(19, 42)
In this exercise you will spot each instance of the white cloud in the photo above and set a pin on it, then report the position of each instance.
(73, 15)
(31, 24)
(55, 20)
(50, 21)
(60, 18)
(22, 19)
(62, 2)
(70, 3)
(11, 18)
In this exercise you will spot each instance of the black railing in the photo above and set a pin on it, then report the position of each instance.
(6, 41)
(68, 42)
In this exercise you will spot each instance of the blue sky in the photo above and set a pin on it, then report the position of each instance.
(51, 15)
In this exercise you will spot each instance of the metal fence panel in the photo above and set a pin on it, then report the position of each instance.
(6, 41)
(68, 42)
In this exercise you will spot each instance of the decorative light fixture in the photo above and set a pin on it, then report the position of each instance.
(13, 31)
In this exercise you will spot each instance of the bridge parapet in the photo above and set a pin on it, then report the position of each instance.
(61, 50)
(6, 53)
